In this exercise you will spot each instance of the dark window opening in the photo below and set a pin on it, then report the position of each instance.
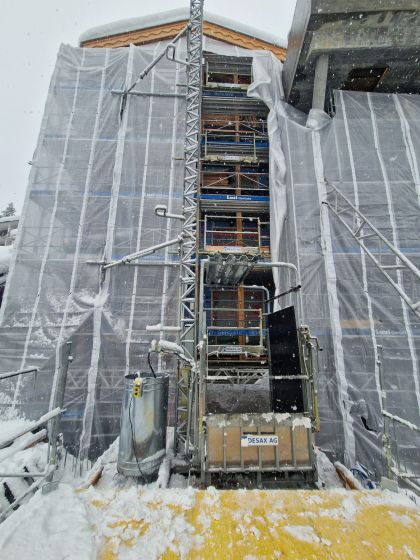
(364, 79)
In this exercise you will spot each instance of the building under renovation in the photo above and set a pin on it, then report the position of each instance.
(247, 227)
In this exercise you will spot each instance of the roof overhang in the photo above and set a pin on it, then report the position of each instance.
(354, 34)
(166, 25)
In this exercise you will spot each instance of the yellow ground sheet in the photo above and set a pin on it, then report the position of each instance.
(254, 524)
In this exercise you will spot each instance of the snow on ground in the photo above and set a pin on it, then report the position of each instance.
(53, 526)
(149, 523)
(302, 532)
(154, 519)
(120, 519)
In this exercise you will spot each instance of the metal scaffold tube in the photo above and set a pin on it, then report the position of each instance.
(188, 252)
(372, 241)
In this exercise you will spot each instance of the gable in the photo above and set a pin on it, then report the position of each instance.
(169, 30)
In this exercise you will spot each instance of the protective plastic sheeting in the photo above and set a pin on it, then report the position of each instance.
(93, 188)
(96, 178)
(370, 150)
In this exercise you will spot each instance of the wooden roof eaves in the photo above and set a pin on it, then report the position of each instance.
(169, 30)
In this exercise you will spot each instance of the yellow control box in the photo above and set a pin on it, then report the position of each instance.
(137, 387)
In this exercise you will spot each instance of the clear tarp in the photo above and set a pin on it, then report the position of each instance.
(95, 180)
(370, 150)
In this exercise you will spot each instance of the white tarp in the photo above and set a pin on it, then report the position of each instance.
(94, 184)
(371, 150)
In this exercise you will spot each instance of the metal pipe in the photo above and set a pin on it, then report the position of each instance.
(32, 426)
(396, 286)
(406, 480)
(202, 406)
(38, 436)
(144, 252)
(31, 488)
(401, 421)
(279, 377)
(203, 264)
(146, 93)
(58, 402)
(394, 249)
(149, 263)
(18, 372)
(159, 327)
(290, 266)
(386, 440)
(161, 210)
(144, 73)
(24, 474)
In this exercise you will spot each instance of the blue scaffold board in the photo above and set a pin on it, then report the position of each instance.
(249, 198)
(218, 93)
(236, 332)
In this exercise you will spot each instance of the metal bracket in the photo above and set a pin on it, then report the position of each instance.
(170, 55)
(161, 210)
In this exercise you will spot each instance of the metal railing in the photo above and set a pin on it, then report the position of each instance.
(51, 419)
(235, 330)
(216, 74)
(10, 374)
(239, 145)
(390, 442)
(374, 244)
(237, 127)
(220, 234)
(224, 183)
(234, 318)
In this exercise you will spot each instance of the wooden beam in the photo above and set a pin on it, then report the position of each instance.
(169, 30)
(139, 37)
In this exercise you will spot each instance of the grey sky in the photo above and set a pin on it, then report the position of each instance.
(32, 31)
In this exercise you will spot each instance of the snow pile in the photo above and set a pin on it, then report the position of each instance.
(104, 470)
(53, 526)
(304, 533)
(11, 426)
(327, 475)
(118, 518)
(150, 518)
(146, 522)
(19, 457)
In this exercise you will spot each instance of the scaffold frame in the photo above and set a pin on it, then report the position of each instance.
(188, 248)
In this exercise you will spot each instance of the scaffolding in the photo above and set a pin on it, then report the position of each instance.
(188, 252)
(234, 385)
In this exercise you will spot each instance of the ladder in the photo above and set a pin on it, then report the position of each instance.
(371, 239)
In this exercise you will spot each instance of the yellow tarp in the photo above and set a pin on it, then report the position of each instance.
(255, 524)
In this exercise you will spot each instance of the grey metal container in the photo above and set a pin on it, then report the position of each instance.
(143, 425)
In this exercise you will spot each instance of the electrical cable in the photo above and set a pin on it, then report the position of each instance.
(291, 290)
(132, 437)
(150, 365)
